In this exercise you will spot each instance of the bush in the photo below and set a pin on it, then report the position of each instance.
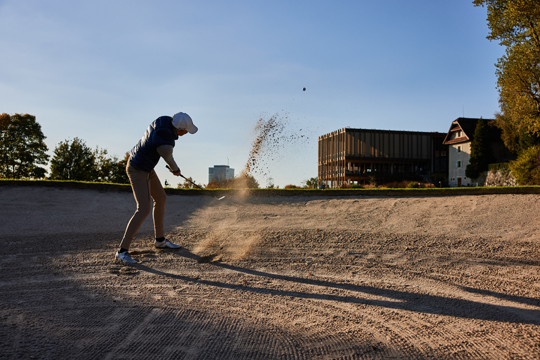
(397, 184)
(406, 184)
(526, 168)
(439, 179)
(413, 185)
(472, 171)
(291, 187)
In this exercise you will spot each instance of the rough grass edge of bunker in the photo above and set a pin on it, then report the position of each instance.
(102, 186)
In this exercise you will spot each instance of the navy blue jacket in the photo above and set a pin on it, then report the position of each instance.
(144, 155)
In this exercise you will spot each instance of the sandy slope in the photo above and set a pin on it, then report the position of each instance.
(271, 278)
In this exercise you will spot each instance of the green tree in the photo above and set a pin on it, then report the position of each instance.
(73, 161)
(22, 147)
(109, 169)
(312, 183)
(103, 165)
(516, 25)
(526, 169)
(481, 155)
(118, 174)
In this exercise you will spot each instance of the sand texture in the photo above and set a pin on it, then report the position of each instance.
(439, 277)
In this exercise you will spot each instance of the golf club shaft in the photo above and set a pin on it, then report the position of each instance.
(185, 178)
(199, 187)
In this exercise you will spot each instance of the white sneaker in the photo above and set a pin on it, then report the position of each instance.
(166, 244)
(125, 257)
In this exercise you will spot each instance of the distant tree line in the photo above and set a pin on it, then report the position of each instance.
(247, 181)
(23, 155)
(74, 160)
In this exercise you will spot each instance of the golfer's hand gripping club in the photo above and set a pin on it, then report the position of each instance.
(178, 173)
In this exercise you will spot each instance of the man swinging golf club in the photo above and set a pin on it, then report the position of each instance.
(157, 142)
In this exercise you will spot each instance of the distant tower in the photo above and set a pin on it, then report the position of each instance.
(220, 173)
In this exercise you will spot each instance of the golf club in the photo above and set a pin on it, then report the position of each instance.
(205, 191)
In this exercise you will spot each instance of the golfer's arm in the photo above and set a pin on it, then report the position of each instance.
(166, 152)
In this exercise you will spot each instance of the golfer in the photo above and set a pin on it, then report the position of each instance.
(157, 142)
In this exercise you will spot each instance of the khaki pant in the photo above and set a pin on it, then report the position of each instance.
(145, 186)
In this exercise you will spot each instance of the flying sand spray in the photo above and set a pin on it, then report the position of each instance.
(223, 240)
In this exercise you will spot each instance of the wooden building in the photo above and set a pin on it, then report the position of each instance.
(360, 156)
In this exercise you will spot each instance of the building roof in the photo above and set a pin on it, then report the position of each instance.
(349, 129)
(466, 125)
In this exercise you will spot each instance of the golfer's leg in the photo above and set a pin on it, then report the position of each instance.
(160, 198)
(141, 191)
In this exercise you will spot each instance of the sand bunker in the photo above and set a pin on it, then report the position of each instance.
(271, 278)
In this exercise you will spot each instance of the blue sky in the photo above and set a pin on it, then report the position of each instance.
(102, 71)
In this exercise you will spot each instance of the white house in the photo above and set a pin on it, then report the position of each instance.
(459, 139)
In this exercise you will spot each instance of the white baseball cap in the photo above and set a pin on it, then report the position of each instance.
(183, 121)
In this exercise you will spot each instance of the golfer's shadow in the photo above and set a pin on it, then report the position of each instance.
(395, 299)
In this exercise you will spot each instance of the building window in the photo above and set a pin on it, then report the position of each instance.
(459, 149)
(459, 164)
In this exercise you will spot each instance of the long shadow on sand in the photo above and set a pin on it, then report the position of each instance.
(397, 299)
(483, 292)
